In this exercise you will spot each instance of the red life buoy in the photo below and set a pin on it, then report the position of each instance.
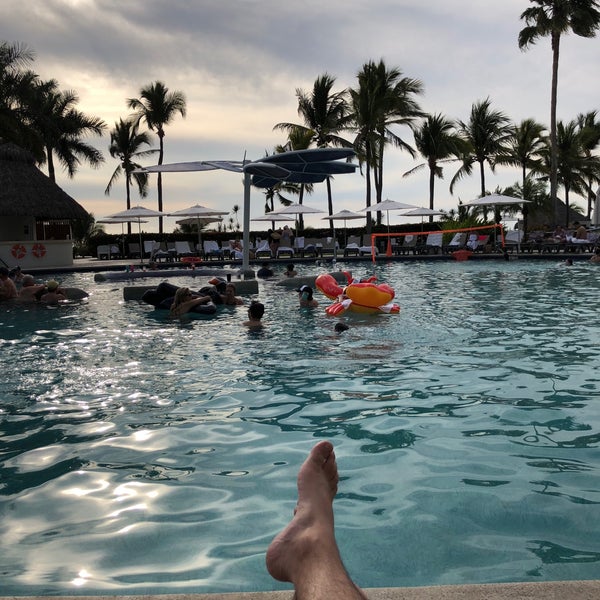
(18, 251)
(38, 250)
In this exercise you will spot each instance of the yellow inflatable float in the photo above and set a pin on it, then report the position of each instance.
(362, 297)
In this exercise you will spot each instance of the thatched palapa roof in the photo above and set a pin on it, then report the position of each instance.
(27, 192)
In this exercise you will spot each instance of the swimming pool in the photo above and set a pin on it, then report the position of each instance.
(140, 455)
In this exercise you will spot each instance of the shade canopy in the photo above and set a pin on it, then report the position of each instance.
(495, 200)
(273, 217)
(135, 213)
(297, 209)
(422, 212)
(387, 205)
(117, 220)
(197, 210)
(344, 215)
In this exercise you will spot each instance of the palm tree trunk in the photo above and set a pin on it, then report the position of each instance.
(49, 157)
(161, 135)
(368, 178)
(300, 200)
(330, 204)
(128, 197)
(482, 176)
(553, 141)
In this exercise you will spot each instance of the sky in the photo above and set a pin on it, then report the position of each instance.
(240, 62)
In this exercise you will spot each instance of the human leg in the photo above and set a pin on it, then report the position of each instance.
(305, 553)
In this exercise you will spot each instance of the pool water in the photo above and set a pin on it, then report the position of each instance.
(140, 455)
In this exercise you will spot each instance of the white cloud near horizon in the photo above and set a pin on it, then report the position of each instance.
(239, 63)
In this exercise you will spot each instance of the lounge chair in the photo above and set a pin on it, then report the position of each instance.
(212, 250)
(477, 243)
(285, 252)
(409, 245)
(328, 247)
(458, 242)
(352, 246)
(149, 246)
(433, 243)
(134, 251)
(513, 240)
(263, 250)
(184, 249)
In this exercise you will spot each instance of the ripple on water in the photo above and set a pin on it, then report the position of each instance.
(141, 455)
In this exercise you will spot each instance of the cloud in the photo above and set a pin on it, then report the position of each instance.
(239, 64)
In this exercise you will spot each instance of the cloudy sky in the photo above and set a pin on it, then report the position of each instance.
(239, 63)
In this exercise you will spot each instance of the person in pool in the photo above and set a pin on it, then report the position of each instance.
(306, 553)
(291, 271)
(8, 289)
(229, 297)
(305, 295)
(184, 301)
(265, 270)
(53, 294)
(256, 311)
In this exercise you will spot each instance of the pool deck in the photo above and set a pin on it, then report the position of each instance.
(560, 590)
(95, 265)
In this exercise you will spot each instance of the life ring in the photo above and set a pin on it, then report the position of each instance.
(38, 250)
(364, 297)
(18, 251)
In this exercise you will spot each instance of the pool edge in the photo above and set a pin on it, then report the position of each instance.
(550, 590)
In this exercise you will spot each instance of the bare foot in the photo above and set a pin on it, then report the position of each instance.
(308, 540)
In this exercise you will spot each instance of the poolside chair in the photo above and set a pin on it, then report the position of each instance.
(458, 242)
(409, 245)
(134, 251)
(103, 252)
(184, 249)
(263, 250)
(477, 243)
(309, 249)
(352, 246)
(285, 252)
(433, 243)
(328, 247)
(513, 240)
(149, 247)
(212, 250)
(160, 252)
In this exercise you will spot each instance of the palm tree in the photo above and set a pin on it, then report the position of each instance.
(574, 167)
(125, 144)
(523, 146)
(60, 125)
(16, 84)
(436, 140)
(383, 99)
(553, 18)
(486, 132)
(325, 115)
(589, 133)
(157, 106)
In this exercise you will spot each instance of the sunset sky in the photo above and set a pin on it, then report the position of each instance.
(240, 62)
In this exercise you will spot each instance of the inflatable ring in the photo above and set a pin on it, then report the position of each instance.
(18, 251)
(363, 297)
(38, 250)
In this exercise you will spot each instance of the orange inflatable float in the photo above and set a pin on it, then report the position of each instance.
(362, 297)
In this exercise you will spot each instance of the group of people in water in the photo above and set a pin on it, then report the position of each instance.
(21, 287)
(185, 300)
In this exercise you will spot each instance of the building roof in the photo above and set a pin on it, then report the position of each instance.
(27, 192)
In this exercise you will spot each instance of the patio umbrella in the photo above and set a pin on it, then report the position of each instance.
(109, 221)
(422, 212)
(387, 205)
(494, 200)
(344, 215)
(198, 212)
(138, 214)
(297, 209)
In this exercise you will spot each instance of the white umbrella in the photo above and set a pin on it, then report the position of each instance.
(111, 220)
(138, 213)
(296, 209)
(387, 205)
(494, 200)
(422, 212)
(198, 211)
(273, 217)
(344, 215)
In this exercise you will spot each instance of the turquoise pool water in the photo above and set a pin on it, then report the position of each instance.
(139, 455)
